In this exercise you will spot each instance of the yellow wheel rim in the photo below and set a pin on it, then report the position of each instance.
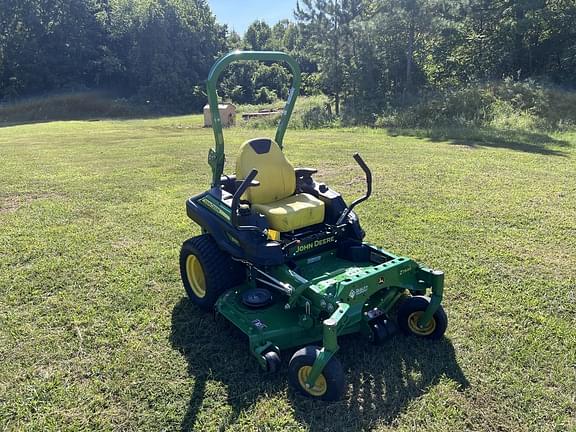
(424, 331)
(320, 386)
(195, 274)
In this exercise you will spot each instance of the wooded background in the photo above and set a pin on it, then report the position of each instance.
(367, 56)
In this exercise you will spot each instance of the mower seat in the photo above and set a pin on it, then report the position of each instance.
(275, 198)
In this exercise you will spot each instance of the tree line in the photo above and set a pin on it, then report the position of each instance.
(155, 51)
(365, 55)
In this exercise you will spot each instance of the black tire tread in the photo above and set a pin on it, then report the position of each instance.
(382, 331)
(273, 361)
(220, 270)
(333, 372)
(420, 303)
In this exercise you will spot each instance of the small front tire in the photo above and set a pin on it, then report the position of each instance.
(412, 309)
(382, 330)
(329, 386)
(273, 361)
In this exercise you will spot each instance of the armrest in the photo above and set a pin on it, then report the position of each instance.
(253, 183)
(235, 207)
(231, 183)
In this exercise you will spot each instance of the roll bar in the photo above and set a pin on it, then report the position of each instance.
(216, 156)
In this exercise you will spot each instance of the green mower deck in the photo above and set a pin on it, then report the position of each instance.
(342, 297)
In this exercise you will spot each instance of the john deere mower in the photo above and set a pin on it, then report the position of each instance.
(282, 257)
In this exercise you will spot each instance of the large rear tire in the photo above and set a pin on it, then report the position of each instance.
(206, 271)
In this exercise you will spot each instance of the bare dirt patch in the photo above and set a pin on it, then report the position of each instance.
(9, 203)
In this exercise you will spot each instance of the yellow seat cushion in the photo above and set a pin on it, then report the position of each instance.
(274, 197)
(275, 172)
(293, 212)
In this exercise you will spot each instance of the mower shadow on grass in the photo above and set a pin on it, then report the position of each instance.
(382, 380)
(217, 359)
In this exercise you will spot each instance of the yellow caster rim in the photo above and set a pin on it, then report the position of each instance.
(413, 324)
(320, 386)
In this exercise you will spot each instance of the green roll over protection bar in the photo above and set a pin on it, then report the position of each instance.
(216, 156)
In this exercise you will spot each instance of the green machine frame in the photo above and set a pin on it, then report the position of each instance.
(337, 295)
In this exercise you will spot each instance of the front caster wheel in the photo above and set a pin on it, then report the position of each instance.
(273, 361)
(412, 309)
(329, 386)
(381, 331)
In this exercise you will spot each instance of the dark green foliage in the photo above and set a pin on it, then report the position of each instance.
(275, 77)
(258, 36)
(237, 83)
(249, 82)
(380, 56)
(172, 47)
(156, 51)
(370, 57)
(328, 27)
(49, 44)
(505, 104)
(264, 95)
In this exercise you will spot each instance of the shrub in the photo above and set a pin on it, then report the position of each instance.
(265, 96)
(506, 104)
(310, 112)
(74, 106)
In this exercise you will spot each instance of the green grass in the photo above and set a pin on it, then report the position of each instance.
(95, 333)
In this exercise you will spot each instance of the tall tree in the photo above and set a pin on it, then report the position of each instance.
(367, 55)
(165, 48)
(48, 45)
(327, 25)
(258, 36)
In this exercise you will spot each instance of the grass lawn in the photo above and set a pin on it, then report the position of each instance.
(95, 332)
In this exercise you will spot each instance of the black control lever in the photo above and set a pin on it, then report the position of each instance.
(289, 245)
(368, 173)
(248, 182)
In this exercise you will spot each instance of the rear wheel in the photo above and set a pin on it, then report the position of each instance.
(409, 314)
(206, 271)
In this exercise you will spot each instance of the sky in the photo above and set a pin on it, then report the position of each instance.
(239, 14)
